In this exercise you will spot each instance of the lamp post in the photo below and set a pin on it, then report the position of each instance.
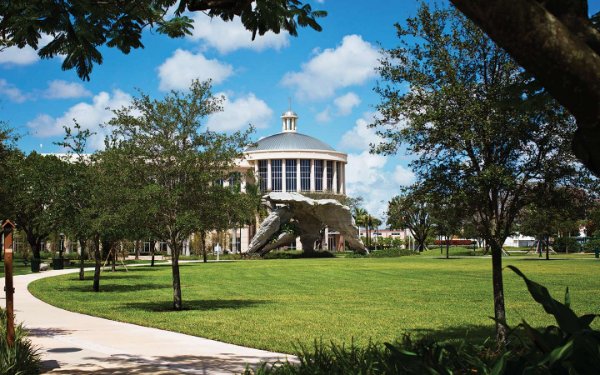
(62, 246)
(7, 231)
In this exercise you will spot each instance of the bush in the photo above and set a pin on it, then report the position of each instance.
(390, 253)
(384, 253)
(405, 357)
(21, 359)
(297, 254)
(591, 245)
(455, 242)
(564, 244)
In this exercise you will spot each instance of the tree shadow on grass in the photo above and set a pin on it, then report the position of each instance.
(468, 332)
(199, 305)
(108, 288)
(542, 259)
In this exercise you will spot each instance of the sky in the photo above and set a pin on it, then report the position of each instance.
(328, 77)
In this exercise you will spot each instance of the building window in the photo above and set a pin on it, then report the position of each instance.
(290, 175)
(263, 174)
(235, 182)
(319, 175)
(276, 174)
(329, 176)
(305, 175)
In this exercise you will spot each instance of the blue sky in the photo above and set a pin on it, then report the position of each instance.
(328, 75)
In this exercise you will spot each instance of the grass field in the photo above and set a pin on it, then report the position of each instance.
(275, 304)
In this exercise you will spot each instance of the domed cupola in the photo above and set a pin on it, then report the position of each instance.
(288, 122)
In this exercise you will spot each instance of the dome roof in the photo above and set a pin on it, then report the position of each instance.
(289, 141)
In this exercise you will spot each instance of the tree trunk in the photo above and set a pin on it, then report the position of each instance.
(447, 248)
(97, 264)
(137, 249)
(81, 258)
(113, 259)
(547, 245)
(498, 288)
(152, 244)
(177, 303)
(203, 244)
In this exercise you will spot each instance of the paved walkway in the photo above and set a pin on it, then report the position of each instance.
(73, 343)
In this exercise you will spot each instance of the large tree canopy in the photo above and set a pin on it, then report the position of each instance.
(559, 43)
(79, 27)
(478, 126)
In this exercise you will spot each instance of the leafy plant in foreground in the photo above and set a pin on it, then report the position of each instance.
(20, 359)
(571, 347)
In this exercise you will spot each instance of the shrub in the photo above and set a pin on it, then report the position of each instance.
(591, 245)
(562, 244)
(297, 254)
(404, 357)
(384, 253)
(390, 253)
(455, 242)
(21, 359)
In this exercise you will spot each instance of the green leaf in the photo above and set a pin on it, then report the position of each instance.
(565, 317)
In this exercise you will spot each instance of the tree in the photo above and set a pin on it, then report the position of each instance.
(36, 184)
(411, 211)
(478, 126)
(555, 210)
(559, 43)
(76, 197)
(79, 28)
(170, 164)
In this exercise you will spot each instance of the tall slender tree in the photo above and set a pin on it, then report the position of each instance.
(171, 164)
(475, 122)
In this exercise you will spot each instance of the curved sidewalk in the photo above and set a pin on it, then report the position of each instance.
(73, 343)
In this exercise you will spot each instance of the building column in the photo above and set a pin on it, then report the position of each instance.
(298, 188)
(269, 179)
(326, 239)
(243, 182)
(324, 164)
(312, 175)
(343, 181)
(283, 176)
(335, 178)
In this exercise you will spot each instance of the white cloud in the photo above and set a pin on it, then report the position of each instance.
(345, 103)
(88, 115)
(324, 116)
(360, 136)
(375, 178)
(403, 176)
(232, 35)
(18, 56)
(238, 113)
(178, 71)
(351, 63)
(59, 89)
(11, 92)
(23, 56)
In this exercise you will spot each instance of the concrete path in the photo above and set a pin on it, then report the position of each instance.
(73, 343)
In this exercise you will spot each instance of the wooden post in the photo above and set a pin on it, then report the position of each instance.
(8, 228)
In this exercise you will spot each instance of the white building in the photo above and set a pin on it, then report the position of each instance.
(292, 162)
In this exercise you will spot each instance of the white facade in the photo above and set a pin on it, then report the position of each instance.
(291, 162)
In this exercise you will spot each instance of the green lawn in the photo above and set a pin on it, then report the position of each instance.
(273, 304)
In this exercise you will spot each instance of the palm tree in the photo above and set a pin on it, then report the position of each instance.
(360, 216)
